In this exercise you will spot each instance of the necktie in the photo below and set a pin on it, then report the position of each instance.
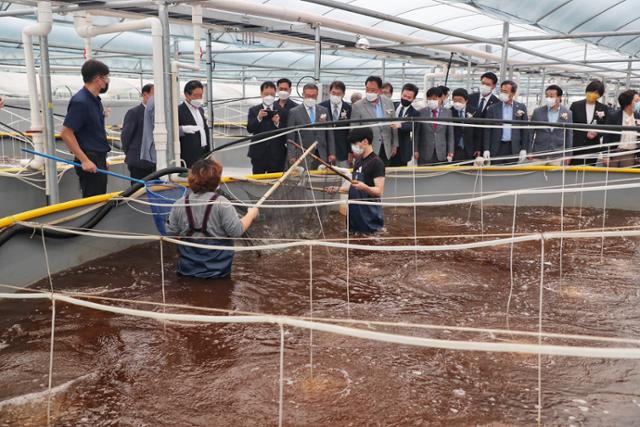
(435, 116)
(481, 105)
(401, 112)
(336, 114)
(461, 141)
(312, 115)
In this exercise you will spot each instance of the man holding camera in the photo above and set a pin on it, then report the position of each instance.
(269, 155)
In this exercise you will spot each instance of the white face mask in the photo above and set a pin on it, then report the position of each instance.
(283, 94)
(197, 103)
(432, 104)
(310, 102)
(335, 99)
(504, 97)
(268, 100)
(551, 102)
(371, 96)
(485, 90)
(355, 149)
(459, 106)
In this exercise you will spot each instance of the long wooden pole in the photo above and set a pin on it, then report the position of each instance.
(285, 175)
(328, 165)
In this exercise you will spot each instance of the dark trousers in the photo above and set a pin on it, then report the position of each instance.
(460, 155)
(383, 155)
(140, 173)
(504, 149)
(261, 165)
(584, 162)
(92, 184)
(430, 160)
(192, 154)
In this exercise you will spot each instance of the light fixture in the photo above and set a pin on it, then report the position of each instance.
(362, 42)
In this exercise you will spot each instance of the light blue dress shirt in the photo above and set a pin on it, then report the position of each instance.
(379, 110)
(507, 114)
(553, 115)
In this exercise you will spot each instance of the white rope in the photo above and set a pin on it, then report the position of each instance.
(348, 265)
(375, 248)
(604, 215)
(490, 196)
(564, 143)
(366, 323)
(552, 350)
(513, 233)
(415, 208)
(311, 309)
(540, 331)
(481, 206)
(281, 385)
(164, 299)
(473, 194)
(53, 328)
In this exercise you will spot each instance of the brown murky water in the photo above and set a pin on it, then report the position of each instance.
(118, 370)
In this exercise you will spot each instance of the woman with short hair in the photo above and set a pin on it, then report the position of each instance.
(210, 217)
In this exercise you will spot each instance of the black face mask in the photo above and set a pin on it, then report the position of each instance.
(405, 102)
(105, 89)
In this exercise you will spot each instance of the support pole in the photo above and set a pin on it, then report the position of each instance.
(169, 97)
(505, 51)
(384, 70)
(403, 73)
(316, 55)
(51, 175)
(210, 86)
(628, 83)
(244, 85)
(528, 90)
(541, 93)
(469, 75)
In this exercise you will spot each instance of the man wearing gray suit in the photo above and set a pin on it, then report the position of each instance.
(375, 105)
(310, 112)
(505, 140)
(552, 139)
(434, 140)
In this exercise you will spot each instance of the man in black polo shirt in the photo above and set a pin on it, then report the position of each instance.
(367, 184)
(83, 128)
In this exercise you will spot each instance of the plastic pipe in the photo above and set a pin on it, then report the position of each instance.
(41, 28)
(85, 29)
(196, 20)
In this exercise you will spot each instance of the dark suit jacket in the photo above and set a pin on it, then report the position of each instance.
(305, 137)
(131, 137)
(340, 136)
(520, 138)
(190, 149)
(579, 111)
(474, 101)
(615, 118)
(275, 149)
(405, 137)
(472, 142)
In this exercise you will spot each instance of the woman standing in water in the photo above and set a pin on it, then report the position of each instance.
(210, 217)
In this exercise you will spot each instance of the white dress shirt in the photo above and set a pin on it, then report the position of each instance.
(195, 112)
(334, 109)
(628, 138)
(591, 110)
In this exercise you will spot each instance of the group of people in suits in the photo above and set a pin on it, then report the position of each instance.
(138, 124)
(430, 142)
(398, 143)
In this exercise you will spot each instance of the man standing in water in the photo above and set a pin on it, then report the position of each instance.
(367, 184)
